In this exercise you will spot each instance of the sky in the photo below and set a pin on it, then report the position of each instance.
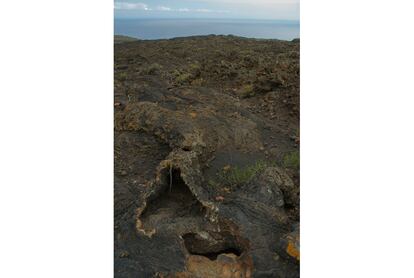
(236, 9)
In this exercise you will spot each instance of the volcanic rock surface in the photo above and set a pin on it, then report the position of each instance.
(206, 158)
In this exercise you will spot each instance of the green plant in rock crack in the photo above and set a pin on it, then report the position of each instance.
(233, 176)
(292, 160)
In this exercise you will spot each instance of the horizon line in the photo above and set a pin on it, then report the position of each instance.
(207, 18)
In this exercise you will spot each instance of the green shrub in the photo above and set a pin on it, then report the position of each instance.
(292, 160)
(121, 76)
(234, 175)
(246, 91)
(152, 69)
(195, 69)
(183, 78)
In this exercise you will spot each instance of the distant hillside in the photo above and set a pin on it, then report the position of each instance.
(122, 39)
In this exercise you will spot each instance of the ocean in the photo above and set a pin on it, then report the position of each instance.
(170, 28)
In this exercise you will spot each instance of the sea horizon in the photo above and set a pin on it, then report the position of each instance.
(168, 28)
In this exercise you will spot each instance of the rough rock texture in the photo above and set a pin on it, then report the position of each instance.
(203, 126)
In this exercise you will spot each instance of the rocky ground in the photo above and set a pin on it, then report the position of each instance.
(206, 157)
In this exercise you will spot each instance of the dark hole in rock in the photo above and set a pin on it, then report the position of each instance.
(186, 149)
(289, 206)
(175, 205)
(212, 244)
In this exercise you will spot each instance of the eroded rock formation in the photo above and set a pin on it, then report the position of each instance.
(188, 203)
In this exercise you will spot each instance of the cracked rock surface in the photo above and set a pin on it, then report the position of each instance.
(206, 181)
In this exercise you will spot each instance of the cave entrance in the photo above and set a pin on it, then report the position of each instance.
(175, 204)
(212, 245)
(176, 184)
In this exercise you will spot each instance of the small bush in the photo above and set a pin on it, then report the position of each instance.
(183, 78)
(197, 82)
(234, 175)
(195, 69)
(292, 160)
(246, 91)
(122, 76)
(152, 69)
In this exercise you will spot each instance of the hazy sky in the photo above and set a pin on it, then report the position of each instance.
(240, 9)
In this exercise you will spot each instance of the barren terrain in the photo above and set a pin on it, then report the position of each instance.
(206, 157)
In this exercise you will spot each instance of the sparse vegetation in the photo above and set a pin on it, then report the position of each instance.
(292, 160)
(228, 151)
(234, 175)
(122, 39)
(122, 76)
(197, 82)
(152, 69)
(246, 91)
(231, 176)
(195, 69)
(183, 78)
